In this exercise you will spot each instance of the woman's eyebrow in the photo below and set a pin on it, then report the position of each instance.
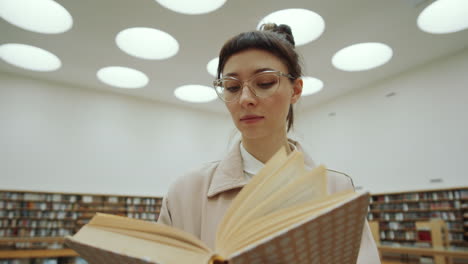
(234, 74)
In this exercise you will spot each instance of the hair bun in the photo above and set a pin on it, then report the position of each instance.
(281, 29)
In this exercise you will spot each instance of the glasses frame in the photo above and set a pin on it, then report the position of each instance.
(217, 82)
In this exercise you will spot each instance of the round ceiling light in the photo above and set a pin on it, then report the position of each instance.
(362, 56)
(147, 43)
(190, 7)
(29, 57)
(212, 66)
(444, 16)
(195, 93)
(122, 77)
(42, 16)
(306, 25)
(311, 86)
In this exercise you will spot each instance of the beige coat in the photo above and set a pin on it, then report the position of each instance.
(197, 202)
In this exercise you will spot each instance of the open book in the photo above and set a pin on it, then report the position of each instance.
(283, 215)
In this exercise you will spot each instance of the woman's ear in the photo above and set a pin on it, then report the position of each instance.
(297, 90)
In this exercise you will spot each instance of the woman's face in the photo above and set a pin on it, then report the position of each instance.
(260, 117)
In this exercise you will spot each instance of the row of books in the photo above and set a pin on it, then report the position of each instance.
(455, 204)
(397, 225)
(438, 195)
(400, 235)
(419, 235)
(44, 206)
(36, 245)
(51, 215)
(36, 223)
(121, 200)
(145, 201)
(53, 197)
(74, 260)
(406, 244)
(455, 236)
(49, 197)
(144, 216)
(36, 232)
(40, 228)
(411, 225)
(39, 214)
(97, 208)
(454, 225)
(37, 205)
(129, 208)
(143, 208)
(416, 215)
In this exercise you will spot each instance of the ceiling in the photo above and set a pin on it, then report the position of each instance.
(90, 44)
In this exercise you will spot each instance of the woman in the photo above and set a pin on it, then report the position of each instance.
(260, 82)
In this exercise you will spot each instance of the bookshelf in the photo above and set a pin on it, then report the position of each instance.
(434, 231)
(397, 213)
(33, 224)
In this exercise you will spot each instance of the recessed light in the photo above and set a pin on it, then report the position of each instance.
(147, 43)
(29, 57)
(362, 56)
(444, 16)
(306, 25)
(190, 7)
(212, 66)
(311, 86)
(122, 77)
(195, 93)
(42, 16)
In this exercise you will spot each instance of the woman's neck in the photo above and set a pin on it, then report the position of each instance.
(264, 148)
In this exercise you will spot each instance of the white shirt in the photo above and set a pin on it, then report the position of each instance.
(252, 165)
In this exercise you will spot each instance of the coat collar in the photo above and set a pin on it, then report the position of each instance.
(229, 174)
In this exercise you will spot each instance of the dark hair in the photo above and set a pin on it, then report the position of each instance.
(276, 39)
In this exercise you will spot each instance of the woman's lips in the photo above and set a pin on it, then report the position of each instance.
(249, 119)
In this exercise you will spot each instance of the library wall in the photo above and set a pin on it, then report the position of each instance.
(70, 139)
(401, 142)
(58, 138)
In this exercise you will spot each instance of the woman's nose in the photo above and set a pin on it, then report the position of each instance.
(247, 97)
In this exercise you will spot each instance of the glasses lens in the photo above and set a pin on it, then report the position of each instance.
(265, 84)
(228, 89)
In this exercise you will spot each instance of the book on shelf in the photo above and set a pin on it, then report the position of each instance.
(284, 214)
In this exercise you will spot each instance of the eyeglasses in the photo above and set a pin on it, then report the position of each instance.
(262, 85)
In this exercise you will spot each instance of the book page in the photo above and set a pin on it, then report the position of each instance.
(154, 229)
(332, 236)
(247, 191)
(103, 246)
(160, 239)
(308, 187)
(270, 224)
(269, 179)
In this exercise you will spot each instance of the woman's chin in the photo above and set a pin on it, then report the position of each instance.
(253, 133)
